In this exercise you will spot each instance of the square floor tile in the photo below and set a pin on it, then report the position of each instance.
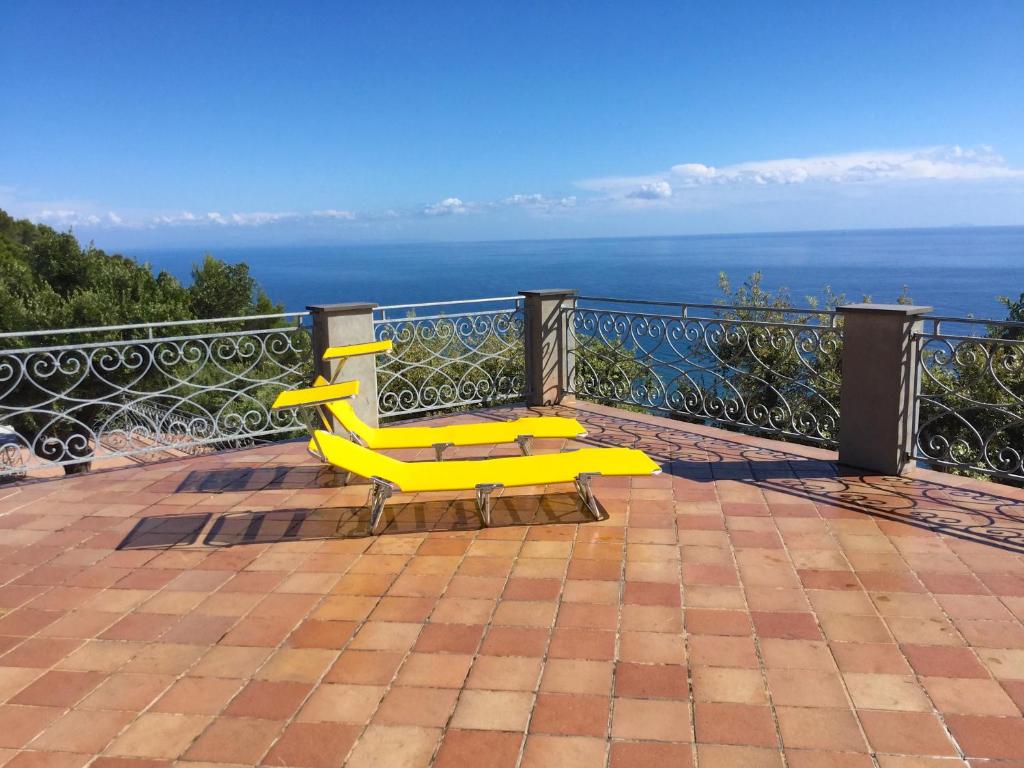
(481, 749)
(159, 735)
(493, 710)
(393, 747)
(651, 719)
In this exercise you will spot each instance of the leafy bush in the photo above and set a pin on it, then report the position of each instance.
(783, 367)
(49, 281)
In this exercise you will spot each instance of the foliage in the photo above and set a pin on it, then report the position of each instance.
(783, 366)
(981, 381)
(611, 366)
(49, 281)
(973, 406)
(1014, 314)
(477, 361)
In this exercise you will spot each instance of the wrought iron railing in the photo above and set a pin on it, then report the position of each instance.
(139, 423)
(753, 368)
(449, 355)
(970, 410)
(69, 397)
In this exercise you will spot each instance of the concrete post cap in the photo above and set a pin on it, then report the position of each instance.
(551, 292)
(888, 309)
(340, 309)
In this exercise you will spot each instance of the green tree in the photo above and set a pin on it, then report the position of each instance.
(483, 362)
(49, 281)
(771, 367)
(1014, 314)
(972, 411)
(219, 289)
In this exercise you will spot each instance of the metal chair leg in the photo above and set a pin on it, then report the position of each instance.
(483, 500)
(439, 449)
(525, 444)
(587, 493)
(382, 491)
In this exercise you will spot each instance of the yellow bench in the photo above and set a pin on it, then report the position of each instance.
(333, 396)
(390, 475)
(522, 431)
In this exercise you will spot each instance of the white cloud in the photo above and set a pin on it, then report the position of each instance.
(185, 217)
(655, 190)
(689, 186)
(65, 217)
(540, 203)
(259, 218)
(942, 163)
(331, 213)
(58, 217)
(246, 218)
(447, 207)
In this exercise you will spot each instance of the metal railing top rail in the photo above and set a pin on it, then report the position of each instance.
(961, 337)
(20, 351)
(695, 318)
(419, 305)
(685, 307)
(150, 326)
(450, 301)
(936, 322)
(451, 316)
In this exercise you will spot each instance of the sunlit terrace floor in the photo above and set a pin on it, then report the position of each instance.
(752, 606)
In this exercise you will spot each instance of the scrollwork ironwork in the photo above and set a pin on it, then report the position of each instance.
(970, 410)
(70, 404)
(780, 378)
(452, 360)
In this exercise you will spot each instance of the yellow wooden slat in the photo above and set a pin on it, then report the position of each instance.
(308, 396)
(354, 350)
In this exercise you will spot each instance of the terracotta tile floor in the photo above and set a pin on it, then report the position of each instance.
(752, 606)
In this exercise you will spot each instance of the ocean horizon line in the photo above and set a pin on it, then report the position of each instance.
(473, 241)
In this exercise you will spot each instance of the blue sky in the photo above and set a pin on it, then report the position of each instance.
(217, 123)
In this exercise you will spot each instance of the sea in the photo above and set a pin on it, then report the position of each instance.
(958, 271)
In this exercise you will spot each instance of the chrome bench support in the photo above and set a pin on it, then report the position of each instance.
(525, 444)
(381, 492)
(484, 503)
(587, 493)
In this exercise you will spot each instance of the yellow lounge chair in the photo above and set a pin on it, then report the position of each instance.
(486, 475)
(522, 431)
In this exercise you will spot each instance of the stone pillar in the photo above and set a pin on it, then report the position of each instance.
(549, 345)
(335, 325)
(880, 384)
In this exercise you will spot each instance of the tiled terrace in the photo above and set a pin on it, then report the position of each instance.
(752, 606)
